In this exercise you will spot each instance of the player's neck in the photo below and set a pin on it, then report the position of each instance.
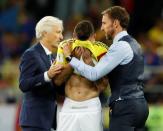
(91, 39)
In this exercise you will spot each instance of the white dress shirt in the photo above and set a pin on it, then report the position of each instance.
(48, 52)
(119, 53)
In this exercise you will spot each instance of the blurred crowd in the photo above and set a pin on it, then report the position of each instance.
(17, 33)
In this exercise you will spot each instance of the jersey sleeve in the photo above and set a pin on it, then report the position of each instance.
(60, 59)
(100, 49)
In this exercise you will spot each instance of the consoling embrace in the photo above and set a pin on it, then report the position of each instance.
(82, 69)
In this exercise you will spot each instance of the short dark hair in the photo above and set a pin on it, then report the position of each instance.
(118, 13)
(84, 30)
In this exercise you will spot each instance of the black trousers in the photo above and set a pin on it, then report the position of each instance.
(28, 128)
(128, 115)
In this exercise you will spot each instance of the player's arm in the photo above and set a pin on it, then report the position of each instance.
(67, 71)
(102, 84)
(64, 75)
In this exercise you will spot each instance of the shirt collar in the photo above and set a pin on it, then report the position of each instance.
(119, 35)
(47, 51)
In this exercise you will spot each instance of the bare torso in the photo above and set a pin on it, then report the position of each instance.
(79, 88)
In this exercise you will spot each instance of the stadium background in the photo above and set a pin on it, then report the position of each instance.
(17, 23)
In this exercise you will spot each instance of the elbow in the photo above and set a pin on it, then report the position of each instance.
(93, 76)
(23, 86)
(57, 82)
(90, 75)
(92, 79)
(23, 89)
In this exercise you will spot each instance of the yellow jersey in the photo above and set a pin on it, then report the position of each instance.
(98, 49)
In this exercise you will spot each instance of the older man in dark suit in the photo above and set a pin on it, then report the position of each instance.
(36, 74)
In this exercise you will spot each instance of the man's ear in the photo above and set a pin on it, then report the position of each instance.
(116, 23)
(44, 34)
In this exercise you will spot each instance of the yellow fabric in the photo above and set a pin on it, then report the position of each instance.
(97, 48)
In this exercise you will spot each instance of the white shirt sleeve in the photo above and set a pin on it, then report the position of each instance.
(119, 53)
(46, 77)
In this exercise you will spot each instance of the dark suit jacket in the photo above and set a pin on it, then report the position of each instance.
(38, 106)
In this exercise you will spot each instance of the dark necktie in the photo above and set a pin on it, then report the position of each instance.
(51, 58)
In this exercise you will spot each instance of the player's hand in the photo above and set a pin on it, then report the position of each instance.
(67, 49)
(87, 57)
(54, 70)
(77, 52)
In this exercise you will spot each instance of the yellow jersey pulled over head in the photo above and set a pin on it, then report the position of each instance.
(98, 49)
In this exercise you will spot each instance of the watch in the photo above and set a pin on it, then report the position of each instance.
(68, 58)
